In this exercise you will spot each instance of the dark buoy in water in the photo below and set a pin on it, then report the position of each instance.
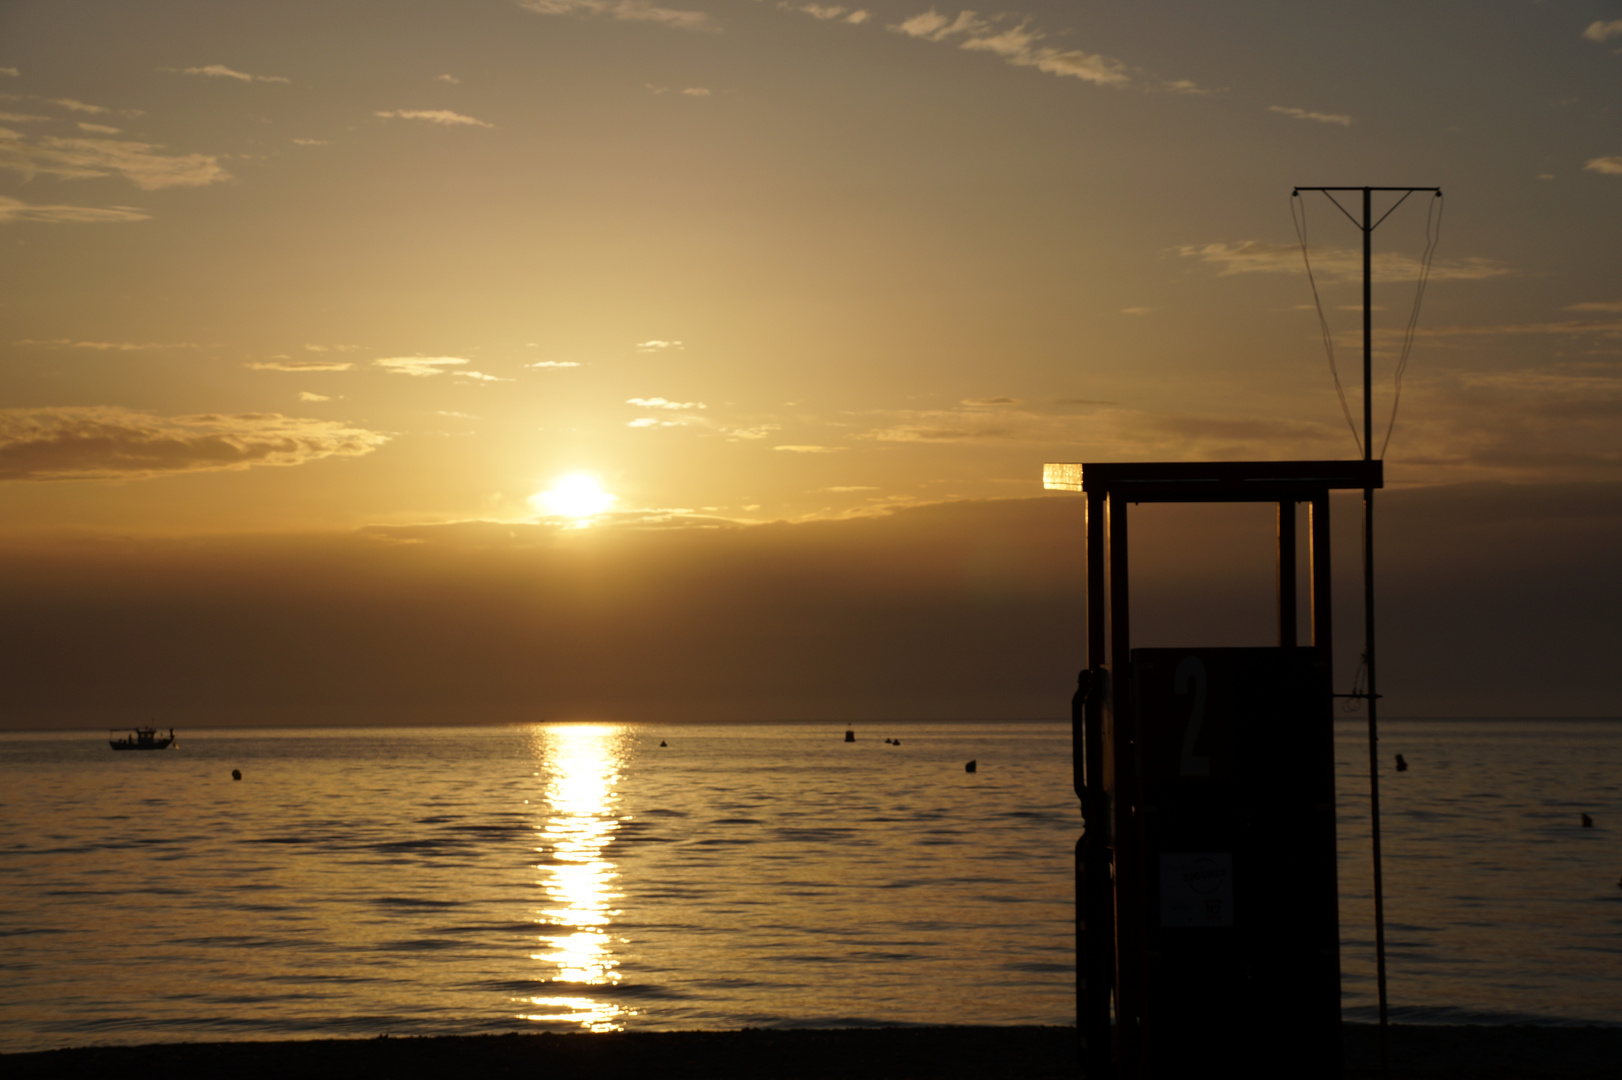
(236, 774)
(886, 742)
(895, 742)
(1588, 822)
(1402, 766)
(972, 766)
(661, 742)
(850, 735)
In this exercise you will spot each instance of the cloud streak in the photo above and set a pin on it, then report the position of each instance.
(1332, 264)
(662, 403)
(1017, 44)
(284, 364)
(1606, 166)
(1318, 117)
(623, 11)
(434, 116)
(78, 159)
(107, 346)
(12, 210)
(1603, 31)
(220, 71)
(106, 442)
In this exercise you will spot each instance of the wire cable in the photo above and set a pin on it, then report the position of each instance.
(1323, 323)
(1433, 237)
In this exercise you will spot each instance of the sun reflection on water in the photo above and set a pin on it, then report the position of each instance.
(582, 765)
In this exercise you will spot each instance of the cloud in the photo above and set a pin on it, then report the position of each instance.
(1302, 114)
(1333, 264)
(13, 72)
(1569, 328)
(332, 348)
(106, 442)
(851, 487)
(1136, 310)
(139, 163)
(311, 142)
(434, 116)
(108, 346)
(1603, 31)
(553, 364)
(76, 106)
(283, 364)
(419, 366)
(452, 79)
(990, 402)
(97, 129)
(751, 433)
(624, 11)
(696, 91)
(16, 210)
(661, 403)
(1601, 305)
(21, 118)
(1187, 86)
(802, 449)
(1608, 166)
(220, 71)
(659, 346)
(479, 376)
(1016, 44)
(305, 395)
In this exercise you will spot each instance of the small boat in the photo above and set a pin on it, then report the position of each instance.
(141, 738)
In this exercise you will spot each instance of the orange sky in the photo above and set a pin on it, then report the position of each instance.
(315, 270)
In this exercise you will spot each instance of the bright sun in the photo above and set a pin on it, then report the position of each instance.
(575, 496)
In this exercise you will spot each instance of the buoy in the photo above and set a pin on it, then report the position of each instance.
(895, 742)
(1402, 766)
(972, 766)
(236, 774)
(850, 735)
(661, 742)
(1588, 822)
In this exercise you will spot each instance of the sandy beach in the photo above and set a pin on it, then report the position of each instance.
(1030, 1053)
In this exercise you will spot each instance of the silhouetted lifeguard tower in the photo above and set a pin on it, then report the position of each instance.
(1206, 877)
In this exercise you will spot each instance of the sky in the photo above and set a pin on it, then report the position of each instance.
(548, 359)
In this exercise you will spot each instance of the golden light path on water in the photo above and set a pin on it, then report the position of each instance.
(581, 764)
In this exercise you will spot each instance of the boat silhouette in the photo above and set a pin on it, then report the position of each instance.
(141, 738)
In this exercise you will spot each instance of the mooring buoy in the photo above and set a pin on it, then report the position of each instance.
(236, 774)
(972, 766)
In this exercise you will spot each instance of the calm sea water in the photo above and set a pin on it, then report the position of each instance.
(562, 877)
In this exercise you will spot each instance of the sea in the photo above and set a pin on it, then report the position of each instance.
(603, 876)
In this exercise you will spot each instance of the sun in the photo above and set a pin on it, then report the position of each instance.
(577, 496)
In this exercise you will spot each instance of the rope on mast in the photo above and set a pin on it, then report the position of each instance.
(1323, 323)
(1432, 238)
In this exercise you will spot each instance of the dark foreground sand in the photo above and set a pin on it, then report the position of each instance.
(1028, 1053)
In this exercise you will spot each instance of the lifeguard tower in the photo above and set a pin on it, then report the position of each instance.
(1206, 876)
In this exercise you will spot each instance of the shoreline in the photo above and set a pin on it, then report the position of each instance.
(937, 1053)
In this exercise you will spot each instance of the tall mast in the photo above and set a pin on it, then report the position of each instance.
(1367, 224)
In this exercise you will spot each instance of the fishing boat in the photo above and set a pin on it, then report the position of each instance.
(141, 738)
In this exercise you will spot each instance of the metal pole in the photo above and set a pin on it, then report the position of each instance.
(1368, 620)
